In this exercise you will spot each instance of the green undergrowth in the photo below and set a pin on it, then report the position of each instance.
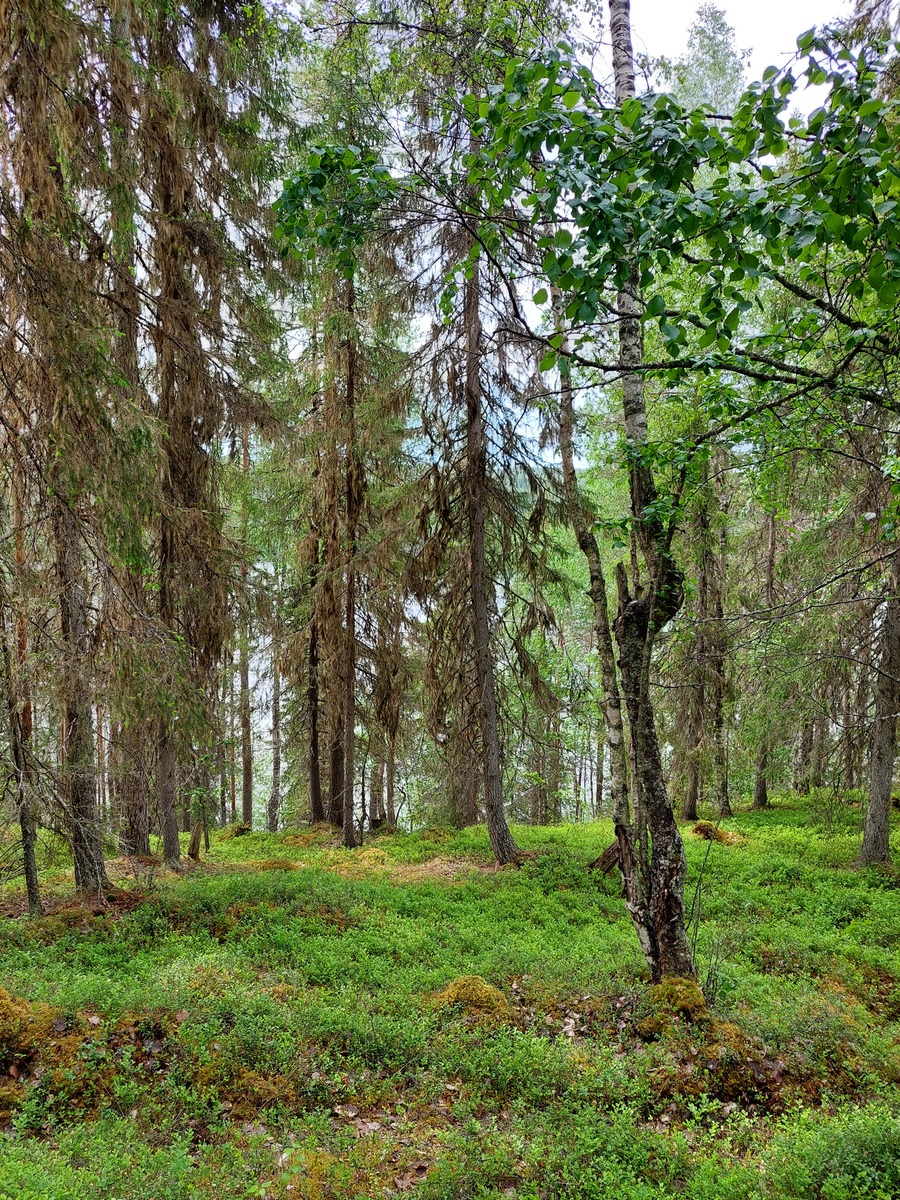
(291, 1019)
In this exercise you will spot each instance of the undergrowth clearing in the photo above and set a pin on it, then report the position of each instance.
(291, 1019)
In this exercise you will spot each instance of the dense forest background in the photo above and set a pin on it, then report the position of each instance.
(404, 424)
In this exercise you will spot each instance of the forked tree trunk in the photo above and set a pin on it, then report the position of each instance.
(505, 849)
(876, 846)
(660, 872)
(87, 850)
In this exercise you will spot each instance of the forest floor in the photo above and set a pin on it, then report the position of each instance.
(277, 1023)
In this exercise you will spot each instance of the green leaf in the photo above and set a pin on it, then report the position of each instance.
(655, 306)
(540, 296)
(548, 362)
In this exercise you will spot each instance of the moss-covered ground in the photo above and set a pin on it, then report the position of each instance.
(290, 1019)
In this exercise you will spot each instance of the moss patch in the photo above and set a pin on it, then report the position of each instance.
(479, 998)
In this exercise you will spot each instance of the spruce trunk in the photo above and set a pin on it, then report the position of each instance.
(87, 850)
(876, 847)
(505, 849)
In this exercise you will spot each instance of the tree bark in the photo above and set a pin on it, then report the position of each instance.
(505, 849)
(87, 850)
(18, 693)
(876, 846)
(640, 618)
(761, 781)
(389, 769)
(316, 805)
(165, 766)
(134, 836)
(246, 728)
(353, 491)
(275, 795)
(18, 743)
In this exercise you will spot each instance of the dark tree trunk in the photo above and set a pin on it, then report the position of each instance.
(661, 862)
(134, 836)
(87, 850)
(348, 819)
(19, 719)
(335, 815)
(802, 759)
(761, 782)
(376, 795)
(316, 805)
(353, 494)
(691, 787)
(165, 765)
(390, 812)
(165, 793)
(505, 849)
(275, 795)
(876, 847)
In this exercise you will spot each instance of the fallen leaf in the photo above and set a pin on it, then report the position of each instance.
(93, 1020)
(364, 1128)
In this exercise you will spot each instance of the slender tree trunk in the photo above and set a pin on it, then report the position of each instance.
(876, 847)
(87, 850)
(232, 740)
(18, 743)
(165, 767)
(19, 707)
(165, 791)
(802, 759)
(641, 617)
(376, 794)
(316, 806)
(275, 795)
(353, 492)
(598, 802)
(389, 768)
(222, 772)
(761, 782)
(633, 882)
(348, 821)
(691, 785)
(505, 849)
(246, 728)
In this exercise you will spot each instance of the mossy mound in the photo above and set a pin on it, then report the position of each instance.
(236, 831)
(479, 998)
(720, 1061)
(23, 1029)
(671, 1002)
(712, 833)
